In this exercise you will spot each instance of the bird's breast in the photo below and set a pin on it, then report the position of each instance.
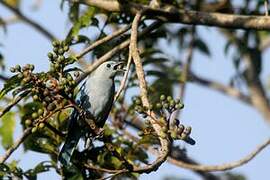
(100, 95)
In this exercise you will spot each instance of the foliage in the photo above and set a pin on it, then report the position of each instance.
(49, 97)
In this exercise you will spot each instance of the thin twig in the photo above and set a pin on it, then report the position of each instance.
(222, 167)
(115, 50)
(26, 133)
(186, 69)
(176, 15)
(4, 78)
(15, 145)
(165, 142)
(266, 7)
(227, 90)
(124, 80)
(207, 168)
(103, 40)
(13, 103)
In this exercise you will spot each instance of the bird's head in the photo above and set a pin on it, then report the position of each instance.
(110, 68)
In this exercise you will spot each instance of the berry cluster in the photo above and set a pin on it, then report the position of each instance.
(165, 107)
(48, 90)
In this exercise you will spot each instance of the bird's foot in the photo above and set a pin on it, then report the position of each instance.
(99, 133)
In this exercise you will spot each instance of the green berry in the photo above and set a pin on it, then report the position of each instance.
(40, 111)
(61, 58)
(138, 101)
(50, 55)
(163, 135)
(166, 105)
(55, 43)
(169, 98)
(56, 66)
(32, 67)
(158, 105)
(35, 97)
(20, 75)
(34, 129)
(66, 48)
(18, 67)
(60, 51)
(34, 115)
(179, 106)
(172, 103)
(163, 120)
(55, 56)
(164, 129)
(69, 77)
(41, 125)
(28, 122)
(55, 49)
(177, 101)
(162, 97)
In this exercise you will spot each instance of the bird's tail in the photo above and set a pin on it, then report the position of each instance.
(72, 139)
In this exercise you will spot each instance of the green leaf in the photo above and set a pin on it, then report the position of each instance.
(198, 43)
(84, 20)
(10, 84)
(7, 129)
(44, 166)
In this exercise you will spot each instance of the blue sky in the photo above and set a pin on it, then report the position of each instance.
(224, 128)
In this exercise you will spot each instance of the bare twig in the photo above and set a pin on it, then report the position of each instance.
(4, 78)
(172, 14)
(103, 40)
(222, 167)
(266, 7)
(208, 168)
(115, 50)
(15, 145)
(165, 142)
(13, 103)
(186, 69)
(123, 82)
(227, 90)
(28, 132)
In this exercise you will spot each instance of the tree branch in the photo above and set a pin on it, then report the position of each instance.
(103, 40)
(165, 142)
(227, 90)
(222, 167)
(15, 145)
(171, 14)
(115, 50)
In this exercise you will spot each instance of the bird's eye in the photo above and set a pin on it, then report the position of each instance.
(115, 68)
(108, 65)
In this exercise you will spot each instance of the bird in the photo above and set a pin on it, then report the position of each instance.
(95, 97)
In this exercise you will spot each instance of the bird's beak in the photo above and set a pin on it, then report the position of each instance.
(120, 66)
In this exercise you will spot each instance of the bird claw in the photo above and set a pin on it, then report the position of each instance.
(99, 133)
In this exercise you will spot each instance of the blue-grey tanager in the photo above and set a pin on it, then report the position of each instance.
(96, 98)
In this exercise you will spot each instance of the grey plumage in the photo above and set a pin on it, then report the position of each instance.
(96, 97)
